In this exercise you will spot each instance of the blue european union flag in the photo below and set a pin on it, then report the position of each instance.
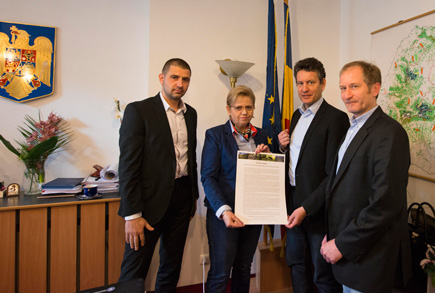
(271, 113)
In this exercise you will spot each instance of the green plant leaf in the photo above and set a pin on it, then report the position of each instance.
(41, 149)
(9, 145)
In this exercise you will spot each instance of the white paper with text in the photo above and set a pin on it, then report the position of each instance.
(260, 188)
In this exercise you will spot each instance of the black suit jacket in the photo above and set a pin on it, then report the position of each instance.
(367, 209)
(147, 162)
(315, 160)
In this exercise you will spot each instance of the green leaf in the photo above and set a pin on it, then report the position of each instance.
(9, 146)
(43, 148)
(24, 132)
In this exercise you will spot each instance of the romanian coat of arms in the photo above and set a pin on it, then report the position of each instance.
(26, 61)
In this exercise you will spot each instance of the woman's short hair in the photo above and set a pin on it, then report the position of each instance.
(240, 90)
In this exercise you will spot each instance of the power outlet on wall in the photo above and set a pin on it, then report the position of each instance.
(204, 259)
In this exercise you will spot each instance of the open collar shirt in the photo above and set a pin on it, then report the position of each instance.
(178, 127)
(298, 134)
(355, 126)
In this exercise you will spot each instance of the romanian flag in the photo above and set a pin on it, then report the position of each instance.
(271, 113)
(287, 89)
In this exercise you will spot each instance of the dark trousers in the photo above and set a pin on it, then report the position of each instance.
(302, 254)
(172, 231)
(230, 248)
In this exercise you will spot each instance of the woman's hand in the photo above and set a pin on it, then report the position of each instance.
(231, 221)
(262, 148)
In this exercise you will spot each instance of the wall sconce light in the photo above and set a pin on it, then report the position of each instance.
(233, 69)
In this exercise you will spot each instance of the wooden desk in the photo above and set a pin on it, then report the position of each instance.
(59, 244)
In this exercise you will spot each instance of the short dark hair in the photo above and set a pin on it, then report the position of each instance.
(371, 73)
(312, 65)
(176, 62)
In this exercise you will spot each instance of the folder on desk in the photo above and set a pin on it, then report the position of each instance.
(63, 183)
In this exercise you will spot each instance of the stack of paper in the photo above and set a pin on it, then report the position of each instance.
(64, 186)
(104, 186)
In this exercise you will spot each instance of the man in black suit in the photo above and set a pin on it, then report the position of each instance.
(158, 177)
(316, 130)
(367, 233)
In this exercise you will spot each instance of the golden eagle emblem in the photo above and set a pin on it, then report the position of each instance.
(24, 69)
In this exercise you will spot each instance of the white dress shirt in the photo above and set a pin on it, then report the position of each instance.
(179, 135)
(298, 135)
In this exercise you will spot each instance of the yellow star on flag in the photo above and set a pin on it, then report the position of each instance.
(271, 99)
(269, 140)
(272, 119)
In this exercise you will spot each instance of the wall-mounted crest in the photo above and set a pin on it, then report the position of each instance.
(26, 61)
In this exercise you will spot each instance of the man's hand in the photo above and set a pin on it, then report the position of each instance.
(134, 232)
(284, 139)
(296, 218)
(329, 251)
(231, 221)
(262, 148)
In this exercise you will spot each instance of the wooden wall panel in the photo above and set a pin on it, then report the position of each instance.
(92, 245)
(116, 242)
(63, 249)
(33, 250)
(7, 251)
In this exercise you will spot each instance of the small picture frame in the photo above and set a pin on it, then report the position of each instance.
(13, 189)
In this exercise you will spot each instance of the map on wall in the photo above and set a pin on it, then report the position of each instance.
(405, 53)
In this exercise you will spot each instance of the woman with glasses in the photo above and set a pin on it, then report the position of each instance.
(231, 244)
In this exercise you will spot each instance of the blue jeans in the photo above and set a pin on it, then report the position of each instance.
(302, 253)
(230, 248)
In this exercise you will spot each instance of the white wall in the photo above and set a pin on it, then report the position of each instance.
(102, 52)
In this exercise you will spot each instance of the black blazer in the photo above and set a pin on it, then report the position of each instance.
(366, 207)
(316, 157)
(147, 160)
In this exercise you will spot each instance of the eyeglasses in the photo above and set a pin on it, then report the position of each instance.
(240, 108)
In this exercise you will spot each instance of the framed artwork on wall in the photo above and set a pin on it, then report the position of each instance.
(27, 59)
